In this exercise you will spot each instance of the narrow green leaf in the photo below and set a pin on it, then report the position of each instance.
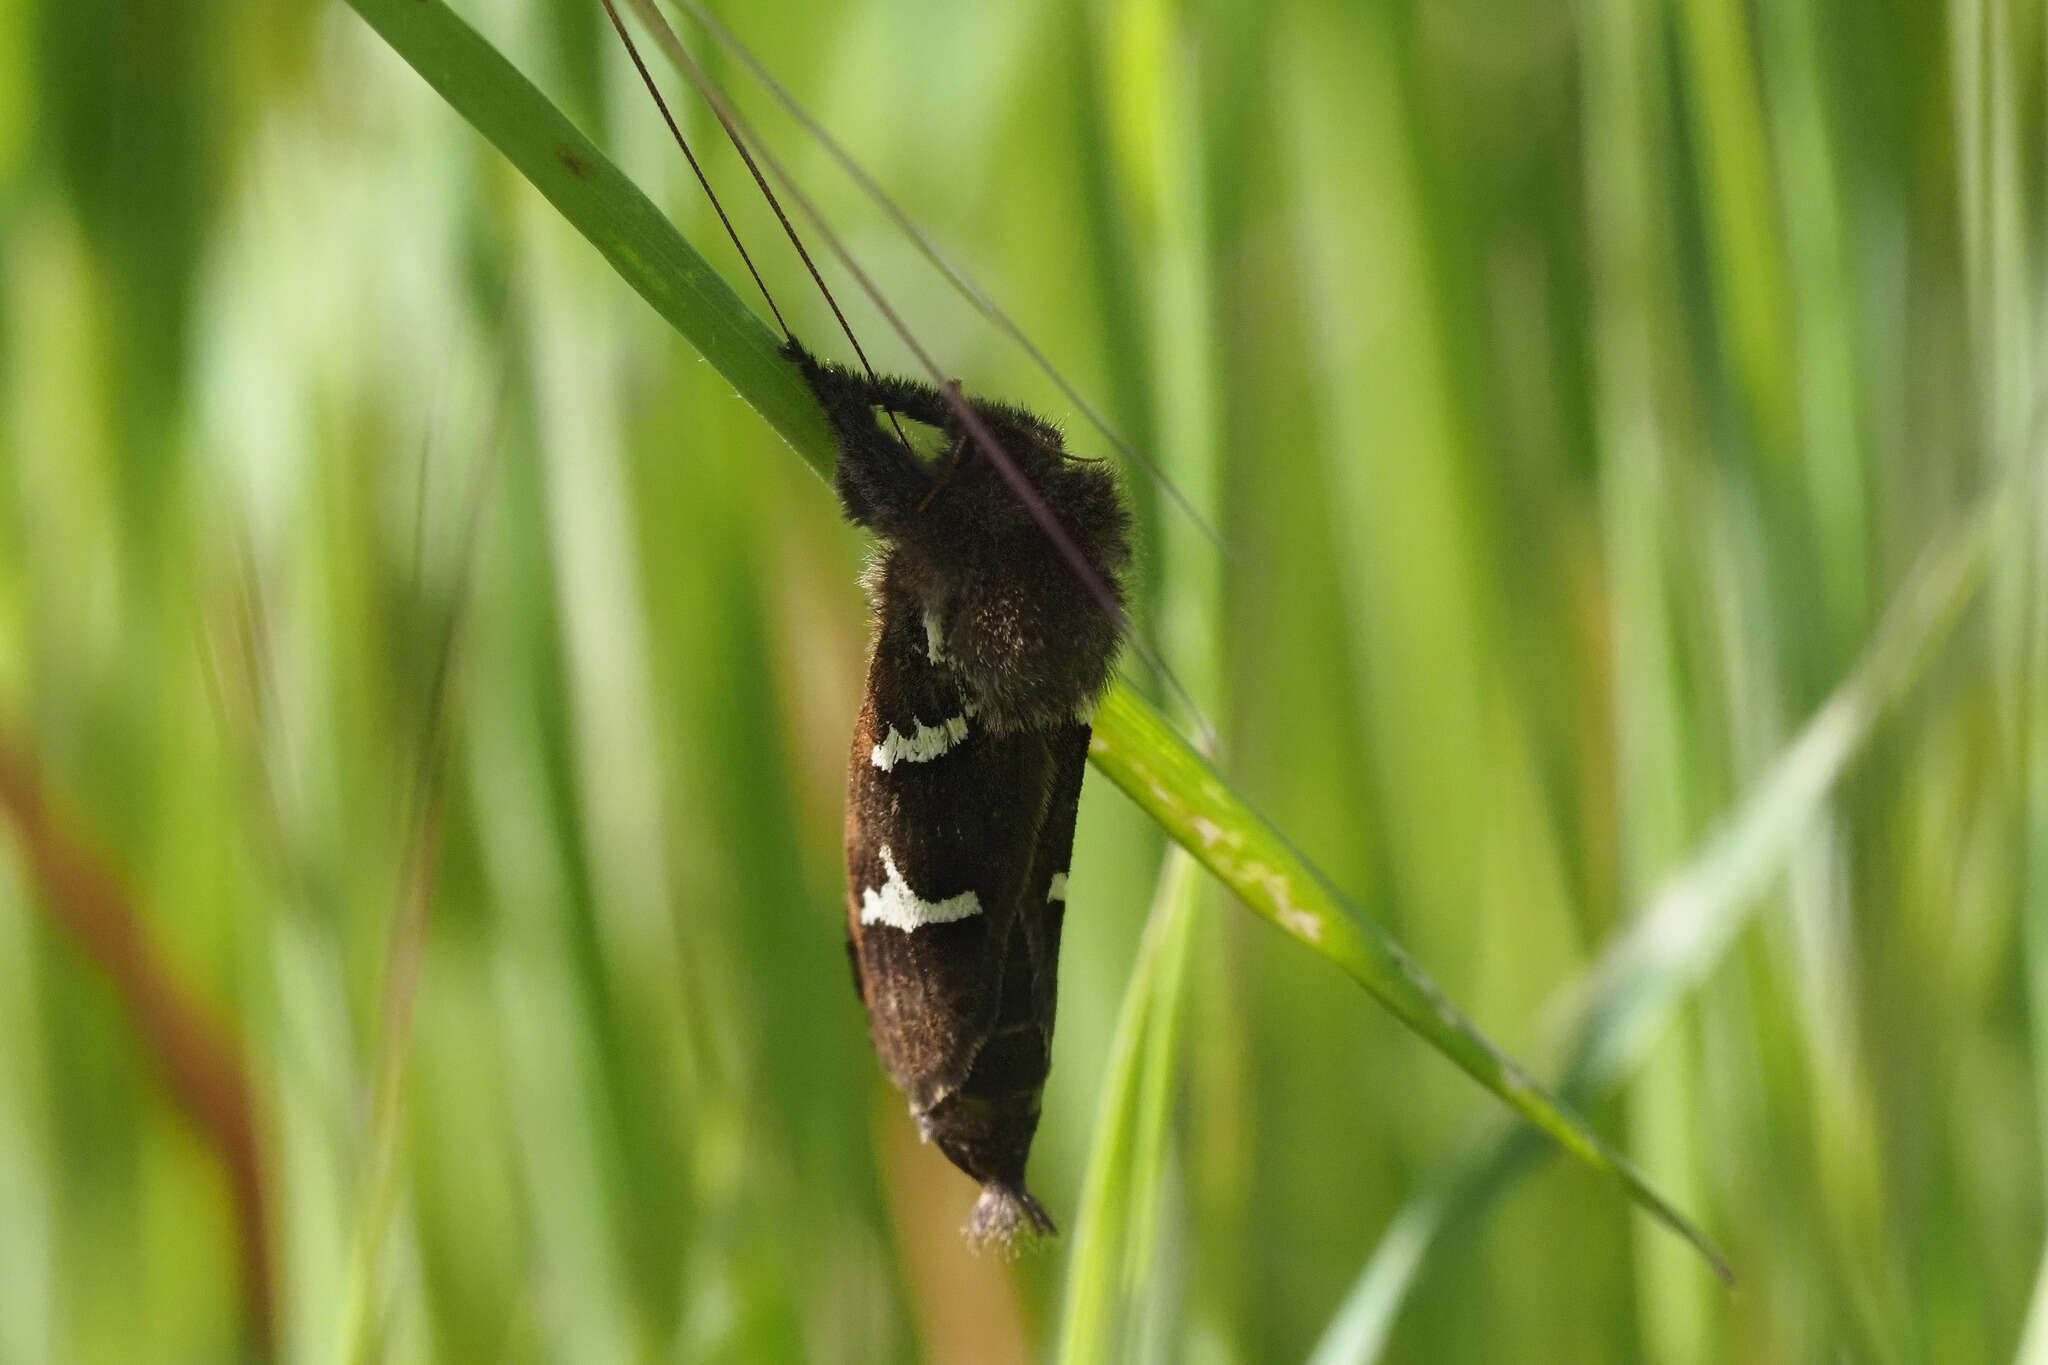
(1120, 1195)
(1178, 789)
(1133, 745)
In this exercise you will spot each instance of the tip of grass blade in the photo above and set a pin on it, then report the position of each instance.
(1660, 1208)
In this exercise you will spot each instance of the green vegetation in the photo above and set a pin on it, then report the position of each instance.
(424, 689)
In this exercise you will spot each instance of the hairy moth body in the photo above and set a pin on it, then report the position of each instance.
(967, 760)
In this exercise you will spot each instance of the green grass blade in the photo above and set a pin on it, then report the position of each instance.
(1134, 748)
(2033, 1348)
(1133, 745)
(1688, 924)
(1129, 1130)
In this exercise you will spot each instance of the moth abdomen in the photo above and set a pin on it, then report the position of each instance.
(986, 1128)
(1008, 1217)
(990, 1140)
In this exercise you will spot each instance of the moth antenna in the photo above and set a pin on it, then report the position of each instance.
(632, 51)
(647, 79)
(1091, 581)
(963, 283)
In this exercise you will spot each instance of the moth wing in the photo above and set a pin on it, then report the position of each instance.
(1018, 1053)
(1043, 904)
(937, 852)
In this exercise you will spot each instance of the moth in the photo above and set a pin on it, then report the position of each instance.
(988, 656)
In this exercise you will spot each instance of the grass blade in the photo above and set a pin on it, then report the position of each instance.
(1178, 789)
(1129, 1131)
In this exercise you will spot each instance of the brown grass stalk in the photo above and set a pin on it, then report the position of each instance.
(200, 1062)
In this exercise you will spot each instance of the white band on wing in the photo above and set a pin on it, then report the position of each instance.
(922, 745)
(896, 904)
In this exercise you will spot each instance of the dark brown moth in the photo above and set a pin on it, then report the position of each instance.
(989, 654)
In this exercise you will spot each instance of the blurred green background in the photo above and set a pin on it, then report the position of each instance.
(456, 680)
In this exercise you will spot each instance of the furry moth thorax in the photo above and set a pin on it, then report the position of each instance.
(964, 558)
(968, 755)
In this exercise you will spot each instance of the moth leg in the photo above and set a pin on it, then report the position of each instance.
(1013, 431)
(913, 398)
(880, 481)
(843, 389)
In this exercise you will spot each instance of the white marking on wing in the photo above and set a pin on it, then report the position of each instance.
(896, 904)
(1058, 890)
(934, 639)
(922, 745)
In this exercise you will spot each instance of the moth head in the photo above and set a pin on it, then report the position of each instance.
(974, 474)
